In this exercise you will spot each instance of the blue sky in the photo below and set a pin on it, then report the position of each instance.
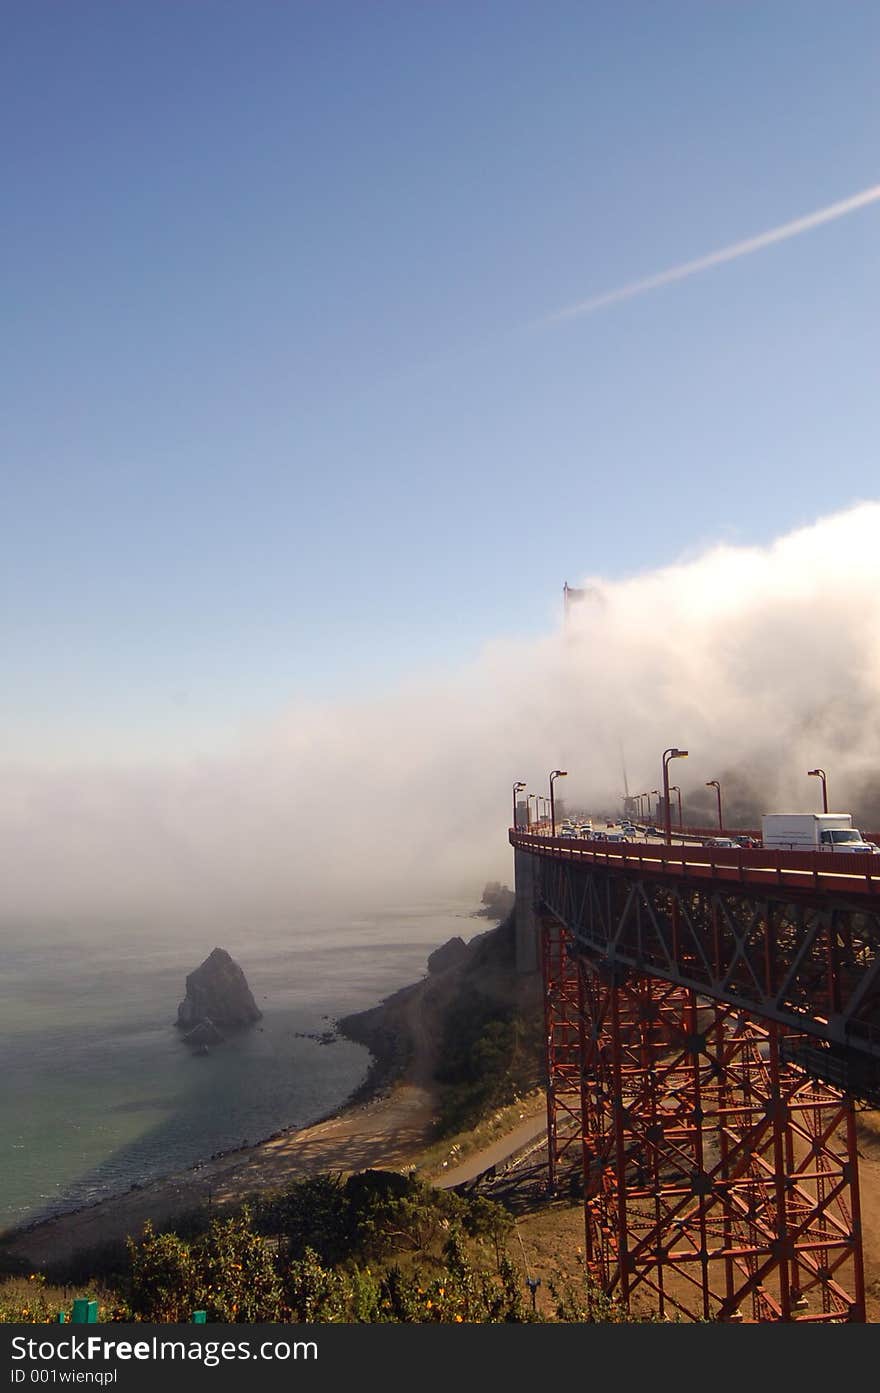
(280, 417)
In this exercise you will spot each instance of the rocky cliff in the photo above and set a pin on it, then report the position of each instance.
(449, 954)
(497, 900)
(217, 993)
(473, 997)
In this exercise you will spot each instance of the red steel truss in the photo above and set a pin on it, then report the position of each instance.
(563, 1026)
(719, 1180)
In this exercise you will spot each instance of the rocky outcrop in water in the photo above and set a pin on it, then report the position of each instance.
(218, 997)
(203, 1035)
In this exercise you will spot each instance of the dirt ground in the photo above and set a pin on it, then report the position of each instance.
(549, 1239)
(869, 1187)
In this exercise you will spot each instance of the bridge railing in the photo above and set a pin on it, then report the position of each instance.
(841, 872)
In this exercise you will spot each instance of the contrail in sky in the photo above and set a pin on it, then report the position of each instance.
(732, 253)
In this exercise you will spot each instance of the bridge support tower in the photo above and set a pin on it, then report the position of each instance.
(719, 1181)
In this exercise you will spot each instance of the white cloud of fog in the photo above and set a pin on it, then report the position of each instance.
(763, 662)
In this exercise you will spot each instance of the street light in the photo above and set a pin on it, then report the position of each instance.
(517, 788)
(529, 808)
(671, 753)
(820, 774)
(674, 788)
(713, 783)
(648, 796)
(556, 774)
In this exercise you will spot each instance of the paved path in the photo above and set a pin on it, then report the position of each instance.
(526, 1131)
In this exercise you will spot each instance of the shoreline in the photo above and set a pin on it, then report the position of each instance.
(384, 1117)
(363, 1093)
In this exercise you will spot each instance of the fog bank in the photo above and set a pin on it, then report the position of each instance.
(763, 662)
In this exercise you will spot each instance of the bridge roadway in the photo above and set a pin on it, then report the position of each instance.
(791, 937)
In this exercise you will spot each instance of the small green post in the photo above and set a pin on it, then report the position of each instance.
(61, 1318)
(85, 1312)
(199, 1318)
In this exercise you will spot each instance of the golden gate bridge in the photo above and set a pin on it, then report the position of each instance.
(712, 1016)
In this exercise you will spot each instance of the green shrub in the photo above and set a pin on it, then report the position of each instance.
(490, 1054)
(237, 1273)
(370, 1214)
(316, 1293)
(164, 1280)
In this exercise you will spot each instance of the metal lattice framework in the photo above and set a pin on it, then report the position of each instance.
(806, 959)
(720, 1179)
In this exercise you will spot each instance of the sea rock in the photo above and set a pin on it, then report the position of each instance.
(218, 994)
(204, 1034)
(449, 954)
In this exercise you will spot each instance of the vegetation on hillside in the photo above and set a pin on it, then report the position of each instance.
(490, 1044)
(377, 1247)
(489, 1056)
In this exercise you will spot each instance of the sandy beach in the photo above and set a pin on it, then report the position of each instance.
(385, 1132)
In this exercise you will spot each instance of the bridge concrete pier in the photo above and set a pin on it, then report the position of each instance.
(528, 929)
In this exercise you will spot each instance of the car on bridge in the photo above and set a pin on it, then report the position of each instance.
(725, 843)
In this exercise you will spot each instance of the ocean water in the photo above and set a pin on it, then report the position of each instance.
(97, 1088)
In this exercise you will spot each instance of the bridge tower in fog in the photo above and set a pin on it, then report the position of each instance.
(571, 597)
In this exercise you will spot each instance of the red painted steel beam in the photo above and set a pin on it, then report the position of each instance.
(719, 1181)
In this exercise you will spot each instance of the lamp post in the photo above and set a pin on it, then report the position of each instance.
(713, 783)
(648, 796)
(517, 788)
(529, 808)
(820, 774)
(674, 788)
(671, 753)
(556, 774)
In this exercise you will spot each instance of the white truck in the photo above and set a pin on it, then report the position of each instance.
(813, 832)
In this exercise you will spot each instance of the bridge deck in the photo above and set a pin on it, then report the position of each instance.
(837, 873)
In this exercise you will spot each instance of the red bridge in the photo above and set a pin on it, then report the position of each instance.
(712, 1016)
